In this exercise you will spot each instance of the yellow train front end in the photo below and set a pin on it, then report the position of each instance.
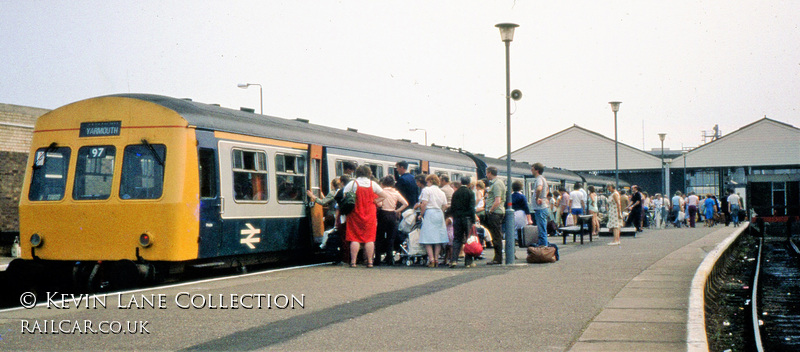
(110, 179)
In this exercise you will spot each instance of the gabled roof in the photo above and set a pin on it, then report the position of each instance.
(593, 152)
(576, 127)
(762, 142)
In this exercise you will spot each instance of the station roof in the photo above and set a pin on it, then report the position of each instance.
(577, 148)
(765, 142)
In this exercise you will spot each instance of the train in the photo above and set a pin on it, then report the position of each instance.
(127, 188)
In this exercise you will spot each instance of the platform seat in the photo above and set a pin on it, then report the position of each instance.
(625, 231)
(575, 231)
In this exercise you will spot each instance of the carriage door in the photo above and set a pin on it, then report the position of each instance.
(210, 204)
(423, 167)
(315, 185)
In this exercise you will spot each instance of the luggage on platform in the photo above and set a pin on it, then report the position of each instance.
(542, 254)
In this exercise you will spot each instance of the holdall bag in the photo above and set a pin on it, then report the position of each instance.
(542, 254)
(473, 246)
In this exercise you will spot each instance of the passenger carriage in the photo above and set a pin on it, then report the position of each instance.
(136, 185)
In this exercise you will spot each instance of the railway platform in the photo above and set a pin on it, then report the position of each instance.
(632, 297)
(4, 262)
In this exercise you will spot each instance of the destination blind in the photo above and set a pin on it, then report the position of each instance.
(100, 129)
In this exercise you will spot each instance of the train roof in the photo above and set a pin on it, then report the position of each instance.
(524, 169)
(596, 180)
(215, 118)
(518, 169)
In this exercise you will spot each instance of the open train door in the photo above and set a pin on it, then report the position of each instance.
(315, 183)
(424, 167)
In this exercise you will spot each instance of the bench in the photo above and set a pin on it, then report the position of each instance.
(625, 231)
(578, 229)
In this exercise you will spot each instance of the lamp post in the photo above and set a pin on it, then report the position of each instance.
(615, 108)
(260, 93)
(684, 171)
(423, 130)
(661, 136)
(507, 35)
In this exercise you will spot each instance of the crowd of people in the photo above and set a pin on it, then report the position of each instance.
(449, 210)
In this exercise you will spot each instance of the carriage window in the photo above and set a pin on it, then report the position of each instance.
(249, 175)
(340, 166)
(49, 174)
(290, 173)
(377, 170)
(94, 172)
(208, 173)
(142, 171)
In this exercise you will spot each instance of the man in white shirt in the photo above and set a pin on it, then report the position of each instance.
(577, 200)
(734, 203)
(677, 206)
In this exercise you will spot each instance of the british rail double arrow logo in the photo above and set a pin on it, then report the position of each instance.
(250, 231)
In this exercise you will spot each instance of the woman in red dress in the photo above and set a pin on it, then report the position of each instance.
(362, 222)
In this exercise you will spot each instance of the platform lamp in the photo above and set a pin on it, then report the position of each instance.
(507, 35)
(684, 172)
(260, 93)
(615, 108)
(423, 130)
(661, 136)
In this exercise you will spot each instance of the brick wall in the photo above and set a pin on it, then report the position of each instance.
(16, 130)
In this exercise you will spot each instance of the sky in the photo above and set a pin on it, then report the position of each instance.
(384, 67)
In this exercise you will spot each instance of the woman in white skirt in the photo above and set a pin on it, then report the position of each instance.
(433, 233)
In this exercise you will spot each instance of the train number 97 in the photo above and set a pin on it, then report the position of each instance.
(97, 152)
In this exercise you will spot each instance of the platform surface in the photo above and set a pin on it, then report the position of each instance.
(596, 298)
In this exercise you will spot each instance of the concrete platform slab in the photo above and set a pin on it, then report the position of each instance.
(649, 302)
(645, 315)
(635, 331)
(617, 346)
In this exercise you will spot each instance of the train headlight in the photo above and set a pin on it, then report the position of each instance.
(36, 240)
(145, 240)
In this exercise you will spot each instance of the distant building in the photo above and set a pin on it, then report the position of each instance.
(763, 147)
(16, 130)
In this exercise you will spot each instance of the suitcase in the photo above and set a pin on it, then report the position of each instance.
(530, 236)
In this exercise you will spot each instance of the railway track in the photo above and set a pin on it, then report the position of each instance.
(776, 296)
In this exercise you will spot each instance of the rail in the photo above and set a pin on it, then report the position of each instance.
(754, 301)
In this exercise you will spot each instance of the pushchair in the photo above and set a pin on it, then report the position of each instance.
(411, 252)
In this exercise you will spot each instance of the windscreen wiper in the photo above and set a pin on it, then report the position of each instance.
(153, 151)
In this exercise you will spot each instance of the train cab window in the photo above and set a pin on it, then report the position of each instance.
(49, 178)
(142, 171)
(456, 177)
(94, 172)
(290, 174)
(249, 175)
(208, 173)
(340, 166)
